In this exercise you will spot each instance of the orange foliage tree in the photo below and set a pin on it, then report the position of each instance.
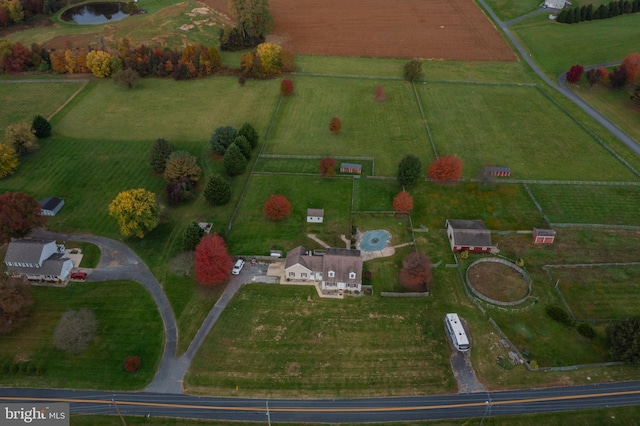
(415, 274)
(403, 202)
(335, 126)
(277, 207)
(212, 263)
(445, 168)
(632, 63)
(328, 166)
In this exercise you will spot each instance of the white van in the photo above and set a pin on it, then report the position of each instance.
(237, 267)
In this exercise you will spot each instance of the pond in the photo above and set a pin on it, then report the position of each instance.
(96, 13)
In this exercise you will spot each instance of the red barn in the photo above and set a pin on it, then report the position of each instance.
(496, 171)
(543, 236)
(350, 168)
(469, 235)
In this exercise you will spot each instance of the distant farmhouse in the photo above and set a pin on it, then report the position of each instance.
(336, 270)
(555, 4)
(469, 235)
(38, 260)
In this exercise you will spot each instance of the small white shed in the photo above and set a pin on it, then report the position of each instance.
(315, 215)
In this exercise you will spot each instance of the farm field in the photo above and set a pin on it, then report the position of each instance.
(455, 30)
(509, 126)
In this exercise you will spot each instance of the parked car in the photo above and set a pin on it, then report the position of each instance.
(237, 267)
(79, 276)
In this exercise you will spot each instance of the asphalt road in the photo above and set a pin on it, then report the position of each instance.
(339, 410)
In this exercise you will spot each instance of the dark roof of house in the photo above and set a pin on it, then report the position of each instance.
(472, 233)
(298, 256)
(315, 212)
(342, 262)
(51, 266)
(545, 232)
(25, 251)
(496, 169)
(50, 203)
(350, 166)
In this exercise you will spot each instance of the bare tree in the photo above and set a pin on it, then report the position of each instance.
(75, 330)
(415, 274)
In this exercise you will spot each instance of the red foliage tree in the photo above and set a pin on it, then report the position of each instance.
(19, 214)
(632, 64)
(335, 126)
(213, 263)
(379, 95)
(604, 75)
(593, 76)
(445, 168)
(286, 87)
(575, 74)
(277, 207)
(415, 274)
(403, 202)
(19, 60)
(328, 166)
(132, 363)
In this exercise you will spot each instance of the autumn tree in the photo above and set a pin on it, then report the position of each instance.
(8, 160)
(634, 96)
(75, 330)
(212, 261)
(379, 94)
(250, 132)
(21, 137)
(182, 164)
(99, 63)
(269, 54)
(632, 64)
(624, 340)
(234, 162)
(15, 302)
(179, 190)
(159, 154)
(335, 125)
(413, 70)
(125, 78)
(328, 166)
(574, 74)
(618, 77)
(604, 75)
(415, 274)
(19, 214)
(218, 190)
(277, 207)
(286, 87)
(41, 127)
(222, 138)
(192, 236)
(132, 363)
(593, 76)
(403, 202)
(253, 18)
(409, 170)
(136, 211)
(445, 169)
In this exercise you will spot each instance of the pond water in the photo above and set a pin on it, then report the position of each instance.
(95, 13)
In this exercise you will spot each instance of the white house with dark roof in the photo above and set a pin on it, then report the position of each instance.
(38, 260)
(50, 206)
(469, 235)
(338, 269)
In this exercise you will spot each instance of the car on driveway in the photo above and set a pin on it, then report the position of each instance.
(81, 276)
(237, 267)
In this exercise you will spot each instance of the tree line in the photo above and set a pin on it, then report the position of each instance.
(587, 12)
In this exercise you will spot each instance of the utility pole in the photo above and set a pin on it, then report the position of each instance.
(118, 411)
(487, 409)
(268, 415)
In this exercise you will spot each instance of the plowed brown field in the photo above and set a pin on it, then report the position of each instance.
(429, 29)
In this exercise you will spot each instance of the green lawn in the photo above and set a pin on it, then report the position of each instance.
(128, 324)
(611, 205)
(23, 100)
(516, 127)
(252, 233)
(556, 47)
(600, 292)
(386, 130)
(285, 341)
(510, 9)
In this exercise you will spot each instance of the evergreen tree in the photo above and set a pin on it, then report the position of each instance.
(217, 191)
(569, 19)
(409, 170)
(41, 127)
(244, 146)
(249, 132)
(583, 13)
(192, 236)
(159, 155)
(562, 16)
(234, 162)
(221, 138)
(589, 16)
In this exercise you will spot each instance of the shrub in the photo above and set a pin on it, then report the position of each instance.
(335, 125)
(558, 314)
(379, 94)
(586, 330)
(41, 127)
(286, 87)
(132, 363)
(413, 70)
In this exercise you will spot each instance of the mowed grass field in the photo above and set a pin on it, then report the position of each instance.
(284, 340)
(386, 130)
(253, 233)
(22, 100)
(128, 324)
(600, 292)
(600, 204)
(513, 126)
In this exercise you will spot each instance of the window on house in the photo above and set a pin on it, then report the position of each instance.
(352, 275)
(332, 274)
(303, 275)
(292, 274)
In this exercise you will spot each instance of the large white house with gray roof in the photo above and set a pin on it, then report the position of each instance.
(337, 269)
(38, 260)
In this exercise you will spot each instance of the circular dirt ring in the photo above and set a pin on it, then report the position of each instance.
(498, 281)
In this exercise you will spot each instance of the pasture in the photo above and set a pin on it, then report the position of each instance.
(516, 127)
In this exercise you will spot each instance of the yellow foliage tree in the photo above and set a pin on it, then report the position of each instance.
(58, 62)
(8, 160)
(99, 63)
(70, 61)
(136, 211)
(269, 54)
